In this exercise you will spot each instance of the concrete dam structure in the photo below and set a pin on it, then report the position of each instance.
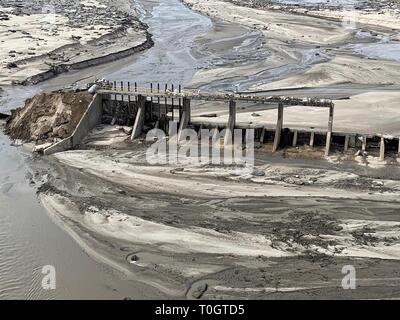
(127, 104)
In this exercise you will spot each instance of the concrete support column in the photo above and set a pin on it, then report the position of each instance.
(382, 149)
(364, 144)
(115, 107)
(399, 148)
(199, 133)
(232, 115)
(262, 138)
(352, 141)
(105, 101)
(329, 133)
(231, 121)
(295, 136)
(312, 137)
(185, 116)
(346, 143)
(140, 116)
(278, 130)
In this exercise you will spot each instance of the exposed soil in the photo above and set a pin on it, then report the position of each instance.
(48, 116)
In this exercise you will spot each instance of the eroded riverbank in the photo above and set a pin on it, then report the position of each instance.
(52, 38)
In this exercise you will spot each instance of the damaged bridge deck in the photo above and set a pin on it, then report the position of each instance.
(170, 99)
(142, 108)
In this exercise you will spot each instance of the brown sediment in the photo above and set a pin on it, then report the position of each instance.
(48, 116)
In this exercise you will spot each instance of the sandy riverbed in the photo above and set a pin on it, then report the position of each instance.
(283, 230)
(298, 51)
(43, 41)
(244, 233)
(290, 37)
(365, 113)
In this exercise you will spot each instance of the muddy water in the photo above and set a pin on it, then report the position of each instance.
(29, 239)
(174, 28)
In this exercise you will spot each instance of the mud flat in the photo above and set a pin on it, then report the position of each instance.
(301, 50)
(283, 229)
(45, 40)
(23, 220)
(277, 230)
(296, 52)
(371, 113)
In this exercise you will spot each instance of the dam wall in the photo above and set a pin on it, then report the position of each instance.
(90, 119)
(145, 108)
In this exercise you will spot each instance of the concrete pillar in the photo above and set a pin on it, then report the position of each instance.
(172, 102)
(364, 144)
(199, 133)
(140, 116)
(262, 138)
(115, 106)
(278, 130)
(346, 143)
(399, 147)
(352, 141)
(231, 121)
(232, 115)
(180, 102)
(106, 102)
(312, 137)
(295, 136)
(329, 133)
(382, 149)
(185, 117)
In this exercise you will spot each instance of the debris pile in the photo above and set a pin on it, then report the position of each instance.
(48, 117)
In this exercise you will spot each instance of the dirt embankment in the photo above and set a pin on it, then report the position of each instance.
(48, 117)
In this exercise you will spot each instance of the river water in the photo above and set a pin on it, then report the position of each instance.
(29, 239)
